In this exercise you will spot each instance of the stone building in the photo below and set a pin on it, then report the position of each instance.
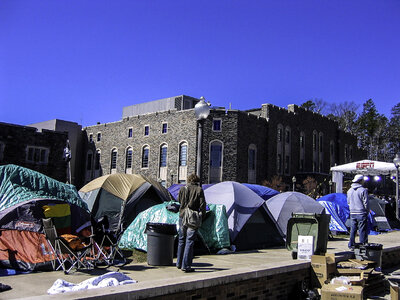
(74, 131)
(40, 151)
(159, 139)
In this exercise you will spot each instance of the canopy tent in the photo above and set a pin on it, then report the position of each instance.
(283, 205)
(366, 167)
(250, 224)
(213, 232)
(120, 197)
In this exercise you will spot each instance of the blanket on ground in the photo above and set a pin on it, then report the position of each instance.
(108, 279)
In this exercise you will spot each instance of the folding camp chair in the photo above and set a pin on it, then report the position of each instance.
(67, 257)
(107, 241)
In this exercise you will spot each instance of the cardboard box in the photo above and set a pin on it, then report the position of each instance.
(323, 268)
(341, 292)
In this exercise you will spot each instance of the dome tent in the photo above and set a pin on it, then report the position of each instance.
(283, 205)
(120, 197)
(27, 197)
(248, 216)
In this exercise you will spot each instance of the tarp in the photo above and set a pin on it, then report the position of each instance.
(283, 205)
(366, 167)
(336, 205)
(120, 197)
(19, 184)
(213, 232)
(250, 224)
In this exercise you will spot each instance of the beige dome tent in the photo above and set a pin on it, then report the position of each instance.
(121, 197)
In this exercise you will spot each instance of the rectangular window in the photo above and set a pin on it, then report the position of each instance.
(99, 136)
(89, 161)
(217, 125)
(164, 128)
(146, 130)
(91, 138)
(37, 155)
(130, 132)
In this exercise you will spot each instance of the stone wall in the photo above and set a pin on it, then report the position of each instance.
(16, 139)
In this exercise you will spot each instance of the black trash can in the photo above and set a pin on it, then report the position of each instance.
(370, 251)
(160, 243)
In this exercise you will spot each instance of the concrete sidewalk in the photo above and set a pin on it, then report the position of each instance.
(216, 267)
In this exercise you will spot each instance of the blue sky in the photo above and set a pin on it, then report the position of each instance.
(83, 61)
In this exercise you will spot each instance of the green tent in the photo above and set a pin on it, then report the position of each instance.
(19, 184)
(214, 231)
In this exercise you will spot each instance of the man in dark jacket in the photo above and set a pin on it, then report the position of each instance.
(357, 198)
(191, 196)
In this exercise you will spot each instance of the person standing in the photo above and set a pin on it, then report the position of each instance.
(357, 198)
(192, 196)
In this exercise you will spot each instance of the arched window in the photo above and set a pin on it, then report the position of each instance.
(128, 159)
(302, 157)
(279, 149)
(321, 152)
(89, 160)
(315, 164)
(332, 153)
(163, 155)
(183, 154)
(113, 164)
(145, 156)
(97, 160)
(252, 163)
(216, 156)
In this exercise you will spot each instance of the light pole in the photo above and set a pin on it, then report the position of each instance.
(396, 162)
(294, 182)
(201, 110)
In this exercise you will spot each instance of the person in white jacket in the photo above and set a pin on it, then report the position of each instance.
(357, 198)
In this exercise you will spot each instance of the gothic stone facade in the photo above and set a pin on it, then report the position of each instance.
(39, 151)
(255, 145)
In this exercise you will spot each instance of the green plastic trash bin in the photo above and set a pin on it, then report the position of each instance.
(308, 224)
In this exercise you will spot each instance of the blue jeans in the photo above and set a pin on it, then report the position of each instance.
(360, 222)
(184, 255)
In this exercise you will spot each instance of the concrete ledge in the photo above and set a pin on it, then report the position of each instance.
(149, 289)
